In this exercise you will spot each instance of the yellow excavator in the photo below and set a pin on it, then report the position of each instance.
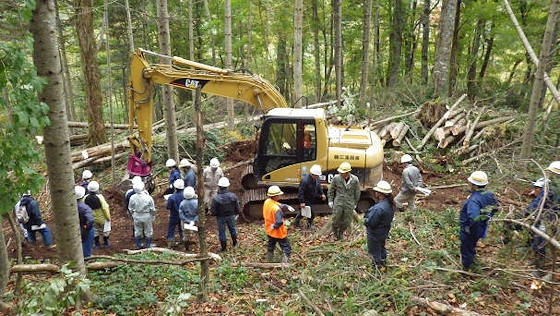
(290, 140)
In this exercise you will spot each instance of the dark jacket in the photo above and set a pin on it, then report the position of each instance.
(86, 218)
(309, 190)
(173, 203)
(225, 203)
(378, 219)
(190, 178)
(32, 210)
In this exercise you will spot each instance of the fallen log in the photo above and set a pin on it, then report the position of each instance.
(452, 121)
(486, 123)
(384, 133)
(35, 268)
(261, 265)
(458, 125)
(396, 130)
(441, 120)
(446, 141)
(470, 131)
(107, 125)
(398, 140)
(392, 118)
(175, 263)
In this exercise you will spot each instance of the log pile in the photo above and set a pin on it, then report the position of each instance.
(461, 127)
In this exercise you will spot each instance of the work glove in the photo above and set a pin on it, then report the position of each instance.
(272, 226)
(331, 204)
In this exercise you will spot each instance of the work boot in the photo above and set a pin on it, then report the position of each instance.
(310, 224)
(170, 243)
(148, 243)
(234, 240)
(96, 241)
(269, 256)
(223, 243)
(138, 242)
(297, 220)
(187, 245)
(106, 243)
(285, 258)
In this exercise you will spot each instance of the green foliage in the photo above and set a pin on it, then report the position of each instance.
(55, 296)
(146, 285)
(23, 117)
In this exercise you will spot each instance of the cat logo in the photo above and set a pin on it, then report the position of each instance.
(191, 84)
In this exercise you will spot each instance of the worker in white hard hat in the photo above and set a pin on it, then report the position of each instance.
(87, 176)
(343, 196)
(225, 206)
(101, 214)
(188, 212)
(411, 181)
(189, 176)
(310, 193)
(554, 169)
(274, 224)
(378, 223)
(545, 215)
(475, 213)
(211, 175)
(173, 203)
(143, 211)
(174, 174)
(85, 214)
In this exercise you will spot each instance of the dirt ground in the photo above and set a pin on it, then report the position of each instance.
(121, 234)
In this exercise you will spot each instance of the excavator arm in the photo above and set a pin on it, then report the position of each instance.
(190, 75)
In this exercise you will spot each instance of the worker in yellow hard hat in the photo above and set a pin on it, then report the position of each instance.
(343, 196)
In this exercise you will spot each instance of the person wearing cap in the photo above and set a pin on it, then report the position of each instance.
(35, 222)
(411, 180)
(544, 216)
(85, 214)
(86, 179)
(211, 175)
(378, 223)
(473, 219)
(343, 195)
(189, 176)
(143, 210)
(309, 193)
(225, 206)
(274, 224)
(173, 203)
(174, 174)
(101, 214)
(188, 212)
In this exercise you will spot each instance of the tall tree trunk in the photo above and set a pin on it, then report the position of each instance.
(129, 32)
(472, 86)
(298, 53)
(377, 56)
(366, 40)
(316, 50)
(337, 25)
(165, 48)
(425, 20)
(229, 60)
(395, 43)
(4, 260)
(90, 68)
(443, 48)
(411, 41)
(538, 84)
(453, 62)
(68, 89)
(56, 139)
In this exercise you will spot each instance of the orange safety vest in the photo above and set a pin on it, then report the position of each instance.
(270, 208)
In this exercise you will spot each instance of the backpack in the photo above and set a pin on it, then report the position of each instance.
(22, 215)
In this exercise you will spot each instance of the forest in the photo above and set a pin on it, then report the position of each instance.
(460, 85)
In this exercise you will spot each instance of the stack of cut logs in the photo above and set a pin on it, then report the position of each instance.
(462, 127)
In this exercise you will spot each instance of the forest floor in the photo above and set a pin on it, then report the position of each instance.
(443, 201)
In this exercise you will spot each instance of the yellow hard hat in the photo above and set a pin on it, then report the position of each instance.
(479, 178)
(344, 167)
(274, 190)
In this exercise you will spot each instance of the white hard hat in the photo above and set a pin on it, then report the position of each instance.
(383, 187)
(137, 179)
(223, 182)
(188, 193)
(87, 175)
(554, 167)
(80, 191)
(316, 170)
(214, 163)
(138, 187)
(27, 193)
(479, 178)
(184, 163)
(540, 182)
(179, 184)
(170, 163)
(344, 167)
(93, 186)
(406, 158)
(274, 190)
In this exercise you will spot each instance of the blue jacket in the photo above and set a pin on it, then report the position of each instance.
(190, 178)
(225, 203)
(379, 218)
(188, 210)
(86, 219)
(32, 210)
(174, 174)
(548, 203)
(173, 203)
(309, 190)
(478, 203)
